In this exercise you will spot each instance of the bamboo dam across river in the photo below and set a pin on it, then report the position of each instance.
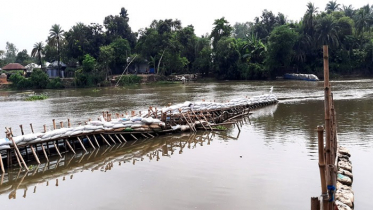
(271, 164)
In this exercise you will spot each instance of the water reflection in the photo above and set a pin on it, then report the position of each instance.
(103, 159)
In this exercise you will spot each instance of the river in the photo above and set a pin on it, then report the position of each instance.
(270, 164)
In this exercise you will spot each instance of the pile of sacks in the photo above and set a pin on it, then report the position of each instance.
(122, 124)
(344, 195)
(208, 106)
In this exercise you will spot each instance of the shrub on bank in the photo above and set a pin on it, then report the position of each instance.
(37, 80)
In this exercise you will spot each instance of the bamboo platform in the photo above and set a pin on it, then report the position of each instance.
(114, 128)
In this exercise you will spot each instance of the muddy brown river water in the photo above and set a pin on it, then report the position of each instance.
(270, 164)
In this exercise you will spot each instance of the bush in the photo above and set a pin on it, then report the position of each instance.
(55, 83)
(39, 79)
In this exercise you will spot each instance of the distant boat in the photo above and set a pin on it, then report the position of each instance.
(307, 77)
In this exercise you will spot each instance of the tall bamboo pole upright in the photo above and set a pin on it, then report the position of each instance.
(328, 140)
(320, 132)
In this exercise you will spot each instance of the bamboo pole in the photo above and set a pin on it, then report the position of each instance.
(198, 119)
(19, 162)
(116, 136)
(45, 153)
(133, 136)
(123, 137)
(68, 123)
(315, 204)
(98, 145)
(17, 150)
(58, 151)
(68, 144)
(81, 143)
(1, 164)
(320, 132)
(21, 129)
(33, 152)
(112, 139)
(190, 126)
(32, 129)
(89, 140)
(102, 136)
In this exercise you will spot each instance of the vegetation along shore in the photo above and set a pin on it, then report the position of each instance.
(265, 48)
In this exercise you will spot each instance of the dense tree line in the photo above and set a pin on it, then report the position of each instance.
(265, 48)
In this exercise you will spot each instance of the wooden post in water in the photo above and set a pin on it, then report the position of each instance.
(68, 123)
(328, 141)
(45, 128)
(81, 143)
(32, 129)
(1, 164)
(17, 150)
(21, 129)
(33, 152)
(69, 145)
(54, 124)
(320, 132)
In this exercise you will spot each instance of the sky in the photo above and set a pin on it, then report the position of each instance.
(25, 22)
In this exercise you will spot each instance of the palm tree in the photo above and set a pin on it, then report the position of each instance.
(363, 19)
(348, 10)
(38, 50)
(327, 32)
(55, 35)
(332, 6)
(309, 17)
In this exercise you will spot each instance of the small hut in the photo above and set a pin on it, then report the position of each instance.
(13, 66)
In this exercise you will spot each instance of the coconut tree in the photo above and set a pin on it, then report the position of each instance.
(332, 6)
(309, 18)
(38, 50)
(348, 10)
(55, 35)
(327, 32)
(363, 19)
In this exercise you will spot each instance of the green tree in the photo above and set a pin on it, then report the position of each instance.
(348, 11)
(89, 63)
(105, 58)
(117, 27)
(122, 50)
(327, 31)
(55, 35)
(11, 53)
(332, 6)
(280, 49)
(221, 29)
(38, 51)
(308, 19)
(22, 57)
(39, 79)
(226, 59)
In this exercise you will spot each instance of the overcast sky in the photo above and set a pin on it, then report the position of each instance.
(25, 22)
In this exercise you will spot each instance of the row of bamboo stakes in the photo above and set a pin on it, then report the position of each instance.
(108, 165)
(327, 155)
